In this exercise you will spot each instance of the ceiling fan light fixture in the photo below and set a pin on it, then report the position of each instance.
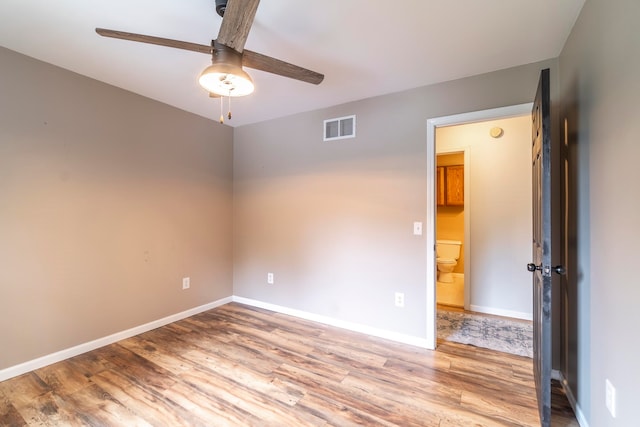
(225, 76)
(225, 82)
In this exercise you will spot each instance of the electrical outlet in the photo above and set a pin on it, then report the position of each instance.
(270, 278)
(610, 398)
(399, 299)
(186, 283)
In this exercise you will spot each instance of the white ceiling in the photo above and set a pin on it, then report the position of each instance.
(363, 47)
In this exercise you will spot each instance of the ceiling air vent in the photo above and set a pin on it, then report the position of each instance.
(340, 128)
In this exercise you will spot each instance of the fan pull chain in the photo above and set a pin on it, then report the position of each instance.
(221, 108)
(229, 114)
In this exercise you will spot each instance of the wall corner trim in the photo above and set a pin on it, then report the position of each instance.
(22, 368)
(355, 327)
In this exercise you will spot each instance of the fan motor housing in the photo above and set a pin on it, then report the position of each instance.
(221, 5)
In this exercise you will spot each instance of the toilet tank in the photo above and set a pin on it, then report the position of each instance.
(448, 249)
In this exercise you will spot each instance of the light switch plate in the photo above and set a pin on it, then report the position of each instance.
(417, 228)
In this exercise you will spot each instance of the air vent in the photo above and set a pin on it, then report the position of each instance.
(340, 128)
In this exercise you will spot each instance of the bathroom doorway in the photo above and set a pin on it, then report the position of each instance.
(496, 212)
(450, 227)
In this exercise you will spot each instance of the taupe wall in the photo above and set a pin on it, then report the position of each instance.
(107, 200)
(333, 220)
(600, 65)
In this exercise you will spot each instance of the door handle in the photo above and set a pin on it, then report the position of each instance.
(532, 267)
(558, 269)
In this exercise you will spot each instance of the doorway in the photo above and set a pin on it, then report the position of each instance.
(452, 225)
(431, 219)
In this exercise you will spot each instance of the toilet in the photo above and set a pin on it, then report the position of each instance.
(447, 254)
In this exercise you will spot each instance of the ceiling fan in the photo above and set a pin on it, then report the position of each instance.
(225, 76)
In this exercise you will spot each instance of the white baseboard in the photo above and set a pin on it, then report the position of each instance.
(356, 327)
(14, 371)
(501, 312)
(582, 420)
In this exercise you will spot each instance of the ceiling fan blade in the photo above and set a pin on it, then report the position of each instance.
(238, 17)
(261, 62)
(195, 47)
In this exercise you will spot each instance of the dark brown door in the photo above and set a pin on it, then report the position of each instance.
(541, 266)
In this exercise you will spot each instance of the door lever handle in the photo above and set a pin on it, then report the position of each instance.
(558, 269)
(532, 267)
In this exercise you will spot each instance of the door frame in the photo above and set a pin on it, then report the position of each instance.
(430, 224)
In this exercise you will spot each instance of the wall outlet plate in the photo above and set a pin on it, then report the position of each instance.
(610, 399)
(186, 283)
(399, 299)
(270, 278)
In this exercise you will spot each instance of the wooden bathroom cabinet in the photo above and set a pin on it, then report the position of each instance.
(440, 188)
(450, 185)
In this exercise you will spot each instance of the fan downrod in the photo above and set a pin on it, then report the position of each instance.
(221, 6)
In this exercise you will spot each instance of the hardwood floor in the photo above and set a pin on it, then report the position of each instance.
(241, 366)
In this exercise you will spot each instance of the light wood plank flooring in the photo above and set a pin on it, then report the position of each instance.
(241, 366)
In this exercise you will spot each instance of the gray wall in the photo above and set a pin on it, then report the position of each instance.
(333, 220)
(107, 200)
(600, 93)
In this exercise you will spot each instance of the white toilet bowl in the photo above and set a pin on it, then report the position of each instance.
(445, 269)
(447, 254)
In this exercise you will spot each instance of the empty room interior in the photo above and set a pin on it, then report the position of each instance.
(173, 257)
